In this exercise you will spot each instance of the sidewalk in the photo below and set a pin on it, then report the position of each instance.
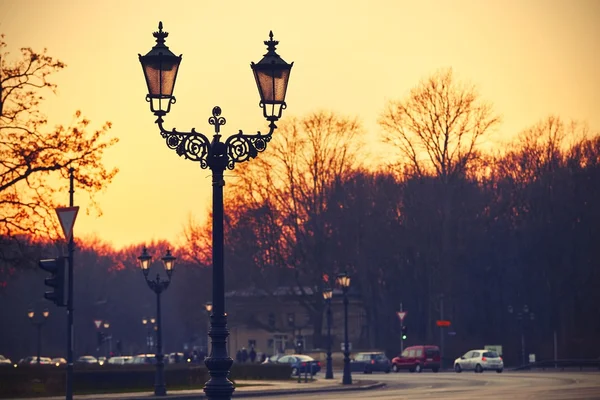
(255, 389)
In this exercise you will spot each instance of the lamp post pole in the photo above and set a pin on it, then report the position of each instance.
(344, 281)
(107, 339)
(271, 73)
(158, 286)
(38, 324)
(521, 317)
(327, 294)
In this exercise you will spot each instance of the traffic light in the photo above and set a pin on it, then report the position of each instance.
(404, 332)
(57, 280)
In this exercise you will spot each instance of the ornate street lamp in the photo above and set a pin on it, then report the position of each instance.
(343, 280)
(271, 74)
(327, 294)
(158, 286)
(38, 324)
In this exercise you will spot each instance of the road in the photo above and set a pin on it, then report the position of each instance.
(465, 386)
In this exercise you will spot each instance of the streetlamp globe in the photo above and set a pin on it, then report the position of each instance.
(106, 324)
(152, 320)
(343, 280)
(327, 294)
(145, 259)
(46, 313)
(272, 75)
(30, 314)
(169, 262)
(144, 320)
(208, 306)
(160, 67)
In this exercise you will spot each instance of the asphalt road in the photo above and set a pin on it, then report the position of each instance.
(468, 385)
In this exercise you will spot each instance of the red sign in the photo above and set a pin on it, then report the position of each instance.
(442, 323)
(401, 315)
(97, 322)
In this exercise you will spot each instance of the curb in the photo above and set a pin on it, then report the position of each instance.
(266, 393)
(376, 385)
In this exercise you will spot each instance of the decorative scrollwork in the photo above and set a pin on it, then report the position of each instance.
(242, 147)
(191, 145)
(196, 147)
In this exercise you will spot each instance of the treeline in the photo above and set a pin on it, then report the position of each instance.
(445, 223)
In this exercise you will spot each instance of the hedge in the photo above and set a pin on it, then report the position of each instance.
(49, 380)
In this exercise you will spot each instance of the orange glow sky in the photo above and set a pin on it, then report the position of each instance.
(530, 58)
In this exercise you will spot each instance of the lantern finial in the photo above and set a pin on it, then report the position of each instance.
(271, 44)
(160, 35)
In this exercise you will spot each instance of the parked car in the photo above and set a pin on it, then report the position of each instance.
(87, 360)
(120, 360)
(300, 364)
(144, 359)
(58, 361)
(418, 358)
(273, 358)
(371, 362)
(4, 360)
(175, 358)
(33, 360)
(479, 361)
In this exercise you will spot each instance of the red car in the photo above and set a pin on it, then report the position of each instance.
(418, 358)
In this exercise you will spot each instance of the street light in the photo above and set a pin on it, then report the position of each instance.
(209, 308)
(38, 324)
(343, 280)
(271, 74)
(327, 294)
(107, 339)
(158, 286)
(521, 317)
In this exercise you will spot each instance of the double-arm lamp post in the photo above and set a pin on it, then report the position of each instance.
(158, 286)
(343, 280)
(38, 324)
(271, 73)
(327, 295)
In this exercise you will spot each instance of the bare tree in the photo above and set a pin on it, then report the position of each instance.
(437, 127)
(33, 155)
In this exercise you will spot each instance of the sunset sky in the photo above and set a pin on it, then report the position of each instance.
(529, 58)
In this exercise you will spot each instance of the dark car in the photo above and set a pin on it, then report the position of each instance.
(300, 364)
(418, 358)
(371, 362)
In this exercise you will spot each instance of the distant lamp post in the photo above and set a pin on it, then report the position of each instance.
(327, 295)
(158, 286)
(38, 324)
(522, 316)
(271, 74)
(209, 308)
(344, 281)
(107, 338)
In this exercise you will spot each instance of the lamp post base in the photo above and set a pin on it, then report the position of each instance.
(347, 378)
(329, 371)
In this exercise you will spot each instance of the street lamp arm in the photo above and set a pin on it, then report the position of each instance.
(192, 145)
(197, 147)
(242, 147)
(157, 285)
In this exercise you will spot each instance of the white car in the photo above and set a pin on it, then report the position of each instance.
(4, 360)
(479, 361)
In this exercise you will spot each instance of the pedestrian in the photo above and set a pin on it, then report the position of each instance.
(252, 355)
(244, 354)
